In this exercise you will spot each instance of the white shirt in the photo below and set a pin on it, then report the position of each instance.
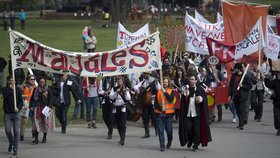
(118, 99)
(92, 90)
(192, 108)
(61, 92)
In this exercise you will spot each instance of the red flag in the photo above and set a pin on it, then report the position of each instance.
(224, 51)
(239, 20)
(278, 25)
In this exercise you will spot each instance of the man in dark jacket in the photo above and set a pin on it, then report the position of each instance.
(275, 85)
(62, 99)
(239, 95)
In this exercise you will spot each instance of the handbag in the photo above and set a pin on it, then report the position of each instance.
(24, 112)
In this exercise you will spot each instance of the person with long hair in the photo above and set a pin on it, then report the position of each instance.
(11, 113)
(90, 86)
(120, 96)
(164, 109)
(42, 99)
(28, 90)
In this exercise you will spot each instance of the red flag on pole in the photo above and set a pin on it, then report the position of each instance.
(225, 52)
(278, 25)
(239, 20)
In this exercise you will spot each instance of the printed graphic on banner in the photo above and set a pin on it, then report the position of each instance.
(226, 52)
(272, 46)
(196, 33)
(250, 43)
(175, 35)
(141, 56)
(223, 51)
(125, 38)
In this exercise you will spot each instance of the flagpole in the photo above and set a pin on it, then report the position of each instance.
(260, 43)
(161, 82)
(13, 72)
(175, 55)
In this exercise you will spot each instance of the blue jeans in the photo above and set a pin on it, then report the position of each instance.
(91, 102)
(77, 105)
(12, 121)
(232, 110)
(164, 122)
(1, 81)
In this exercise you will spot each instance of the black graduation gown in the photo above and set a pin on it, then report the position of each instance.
(205, 133)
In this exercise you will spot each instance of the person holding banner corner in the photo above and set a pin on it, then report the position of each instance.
(11, 113)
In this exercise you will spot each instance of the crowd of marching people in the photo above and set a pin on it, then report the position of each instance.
(187, 78)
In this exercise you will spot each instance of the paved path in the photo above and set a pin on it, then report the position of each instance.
(258, 140)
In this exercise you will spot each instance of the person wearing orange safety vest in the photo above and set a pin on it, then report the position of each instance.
(164, 109)
(24, 112)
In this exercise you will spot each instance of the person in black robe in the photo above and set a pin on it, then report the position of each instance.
(199, 132)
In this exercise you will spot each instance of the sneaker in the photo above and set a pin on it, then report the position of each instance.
(241, 128)
(109, 136)
(258, 120)
(278, 132)
(195, 149)
(15, 152)
(89, 125)
(234, 120)
(162, 148)
(94, 125)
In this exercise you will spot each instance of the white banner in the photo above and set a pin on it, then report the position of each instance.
(219, 17)
(251, 43)
(196, 33)
(125, 38)
(272, 46)
(271, 21)
(200, 18)
(141, 56)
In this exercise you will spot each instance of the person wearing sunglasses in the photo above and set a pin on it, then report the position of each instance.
(28, 89)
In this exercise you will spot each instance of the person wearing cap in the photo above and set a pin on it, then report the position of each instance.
(239, 96)
(148, 111)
